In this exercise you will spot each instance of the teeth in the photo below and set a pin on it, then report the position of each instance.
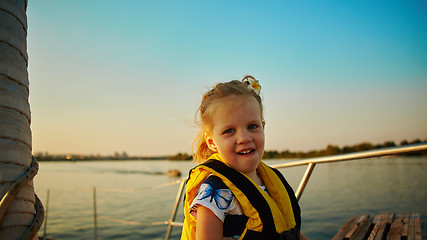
(245, 152)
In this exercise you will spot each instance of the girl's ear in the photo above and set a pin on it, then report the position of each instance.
(210, 142)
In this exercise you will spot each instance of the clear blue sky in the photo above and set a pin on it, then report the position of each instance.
(114, 76)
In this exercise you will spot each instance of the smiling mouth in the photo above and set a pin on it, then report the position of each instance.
(245, 152)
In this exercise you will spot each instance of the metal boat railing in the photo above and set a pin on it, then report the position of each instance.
(311, 163)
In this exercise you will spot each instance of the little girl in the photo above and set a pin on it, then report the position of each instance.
(232, 194)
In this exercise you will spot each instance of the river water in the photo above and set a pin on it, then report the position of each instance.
(131, 195)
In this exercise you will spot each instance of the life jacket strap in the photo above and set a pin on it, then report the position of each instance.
(246, 186)
(294, 201)
(293, 234)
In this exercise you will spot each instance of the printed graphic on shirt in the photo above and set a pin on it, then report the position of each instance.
(216, 192)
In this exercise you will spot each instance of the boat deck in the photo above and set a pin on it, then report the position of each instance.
(382, 226)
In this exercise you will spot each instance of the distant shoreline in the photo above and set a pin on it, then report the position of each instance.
(329, 150)
(63, 158)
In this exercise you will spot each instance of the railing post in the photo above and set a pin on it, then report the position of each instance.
(94, 215)
(175, 209)
(304, 180)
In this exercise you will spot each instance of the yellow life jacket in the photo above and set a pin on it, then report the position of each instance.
(275, 215)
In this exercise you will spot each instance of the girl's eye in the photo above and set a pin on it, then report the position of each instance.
(252, 126)
(230, 130)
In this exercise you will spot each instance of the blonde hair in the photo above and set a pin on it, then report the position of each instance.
(205, 112)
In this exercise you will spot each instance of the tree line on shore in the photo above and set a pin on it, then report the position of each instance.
(45, 156)
(334, 150)
(329, 150)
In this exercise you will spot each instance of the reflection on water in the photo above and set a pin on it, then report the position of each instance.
(127, 203)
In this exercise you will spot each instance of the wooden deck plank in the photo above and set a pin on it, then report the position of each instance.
(374, 231)
(382, 231)
(418, 233)
(379, 223)
(405, 230)
(405, 227)
(390, 218)
(386, 220)
(411, 228)
(351, 232)
(389, 226)
(364, 228)
(406, 217)
(395, 229)
(345, 229)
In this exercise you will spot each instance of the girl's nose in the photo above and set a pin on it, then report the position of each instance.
(244, 137)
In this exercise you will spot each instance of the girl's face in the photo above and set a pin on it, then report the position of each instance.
(237, 133)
